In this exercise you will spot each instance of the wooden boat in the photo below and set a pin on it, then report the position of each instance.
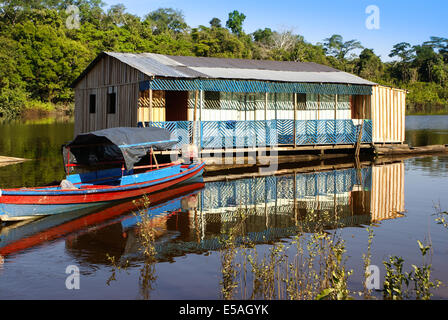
(31, 233)
(125, 146)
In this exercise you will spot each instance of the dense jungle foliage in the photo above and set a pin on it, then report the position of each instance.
(44, 48)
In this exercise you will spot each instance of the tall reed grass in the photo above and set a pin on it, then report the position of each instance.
(312, 266)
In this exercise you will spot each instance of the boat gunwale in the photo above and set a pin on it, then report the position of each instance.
(100, 189)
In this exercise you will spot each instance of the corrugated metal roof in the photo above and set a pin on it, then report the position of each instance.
(205, 62)
(148, 65)
(166, 66)
(283, 76)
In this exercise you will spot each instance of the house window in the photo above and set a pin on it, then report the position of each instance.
(111, 100)
(301, 98)
(301, 101)
(212, 100)
(92, 103)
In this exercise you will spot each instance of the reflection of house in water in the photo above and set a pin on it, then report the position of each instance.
(387, 192)
(338, 198)
(279, 203)
(274, 207)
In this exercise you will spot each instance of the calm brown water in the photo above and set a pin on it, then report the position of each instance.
(190, 219)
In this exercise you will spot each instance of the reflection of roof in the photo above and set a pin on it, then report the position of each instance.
(159, 65)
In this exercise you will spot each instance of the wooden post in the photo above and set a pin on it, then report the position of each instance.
(295, 118)
(266, 213)
(318, 105)
(193, 140)
(275, 105)
(335, 113)
(335, 106)
(335, 202)
(296, 218)
(255, 110)
(150, 117)
(245, 106)
(358, 142)
(155, 159)
(266, 107)
(200, 118)
(201, 102)
(364, 107)
(141, 108)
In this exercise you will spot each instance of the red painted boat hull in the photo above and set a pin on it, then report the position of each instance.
(16, 204)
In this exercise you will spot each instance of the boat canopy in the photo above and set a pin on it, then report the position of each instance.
(128, 145)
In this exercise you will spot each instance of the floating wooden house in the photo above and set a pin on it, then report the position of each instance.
(220, 103)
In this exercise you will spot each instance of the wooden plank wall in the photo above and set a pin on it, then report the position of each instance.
(108, 72)
(361, 107)
(388, 114)
(157, 112)
(387, 193)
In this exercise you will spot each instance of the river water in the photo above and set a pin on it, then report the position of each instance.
(397, 200)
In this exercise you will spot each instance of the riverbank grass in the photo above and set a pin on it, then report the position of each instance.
(35, 108)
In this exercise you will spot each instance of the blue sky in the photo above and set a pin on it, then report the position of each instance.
(409, 21)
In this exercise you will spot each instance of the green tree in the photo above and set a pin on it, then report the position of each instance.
(235, 22)
(404, 51)
(166, 20)
(215, 23)
(263, 35)
(439, 43)
(402, 69)
(218, 42)
(337, 47)
(48, 61)
(117, 14)
(369, 65)
(40, 57)
(12, 88)
(425, 60)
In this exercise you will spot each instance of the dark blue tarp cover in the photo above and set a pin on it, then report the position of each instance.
(117, 144)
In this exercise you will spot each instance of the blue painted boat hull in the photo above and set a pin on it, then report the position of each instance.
(135, 186)
(14, 212)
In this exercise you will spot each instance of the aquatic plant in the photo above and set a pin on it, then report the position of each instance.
(146, 237)
(115, 267)
(317, 270)
(229, 268)
(312, 266)
(419, 276)
(367, 258)
(442, 216)
(394, 279)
